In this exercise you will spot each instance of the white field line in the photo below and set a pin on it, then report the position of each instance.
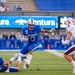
(11, 50)
(55, 53)
(50, 51)
(5, 54)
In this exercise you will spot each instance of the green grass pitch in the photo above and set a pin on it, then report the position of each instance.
(43, 63)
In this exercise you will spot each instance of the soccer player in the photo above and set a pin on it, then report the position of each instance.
(5, 66)
(69, 54)
(32, 31)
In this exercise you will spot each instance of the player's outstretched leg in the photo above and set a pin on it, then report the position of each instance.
(73, 63)
(26, 65)
(14, 58)
(70, 59)
(17, 66)
(27, 61)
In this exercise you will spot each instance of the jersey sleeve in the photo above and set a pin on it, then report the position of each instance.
(68, 29)
(24, 31)
(38, 28)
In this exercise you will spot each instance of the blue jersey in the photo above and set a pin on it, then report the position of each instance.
(46, 38)
(3, 68)
(62, 36)
(32, 35)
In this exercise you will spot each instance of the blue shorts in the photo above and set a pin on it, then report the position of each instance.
(13, 69)
(3, 68)
(29, 47)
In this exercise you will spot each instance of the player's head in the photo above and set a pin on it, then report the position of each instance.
(1, 61)
(31, 23)
(70, 21)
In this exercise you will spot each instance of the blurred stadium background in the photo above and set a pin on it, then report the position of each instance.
(49, 14)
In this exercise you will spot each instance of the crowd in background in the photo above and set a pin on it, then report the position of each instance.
(53, 42)
(7, 8)
(18, 40)
(12, 41)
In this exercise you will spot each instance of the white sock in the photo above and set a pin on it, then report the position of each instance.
(73, 63)
(29, 57)
(19, 58)
(25, 60)
(12, 59)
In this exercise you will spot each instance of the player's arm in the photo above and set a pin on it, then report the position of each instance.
(8, 65)
(45, 31)
(67, 38)
(48, 31)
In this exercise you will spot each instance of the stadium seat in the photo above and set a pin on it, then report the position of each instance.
(12, 3)
(56, 5)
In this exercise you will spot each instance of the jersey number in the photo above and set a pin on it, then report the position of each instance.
(32, 38)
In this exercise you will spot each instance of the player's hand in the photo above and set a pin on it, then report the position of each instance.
(65, 42)
(62, 39)
(7, 71)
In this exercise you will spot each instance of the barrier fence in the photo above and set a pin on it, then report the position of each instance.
(17, 44)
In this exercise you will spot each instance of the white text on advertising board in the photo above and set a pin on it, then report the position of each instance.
(4, 22)
(38, 22)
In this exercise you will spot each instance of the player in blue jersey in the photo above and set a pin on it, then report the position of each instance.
(32, 31)
(5, 66)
